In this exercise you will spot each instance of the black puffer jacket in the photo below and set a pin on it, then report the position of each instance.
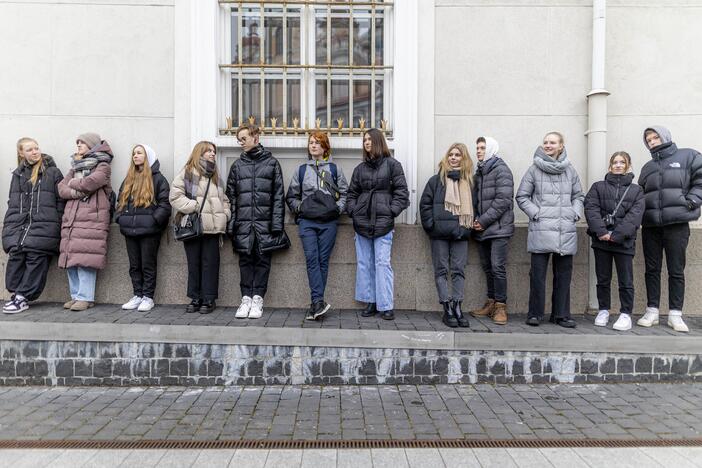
(257, 196)
(602, 199)
(672, 183)
(145, 221)
(377, 195)
(493, 197)
(33, 217)
(436, 221)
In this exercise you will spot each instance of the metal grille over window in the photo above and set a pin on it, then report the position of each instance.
(296, 66)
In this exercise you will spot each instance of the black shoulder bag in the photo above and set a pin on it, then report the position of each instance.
(191, 227)
(609, 219)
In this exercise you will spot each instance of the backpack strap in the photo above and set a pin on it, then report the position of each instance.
(301, 175)
(333, 169)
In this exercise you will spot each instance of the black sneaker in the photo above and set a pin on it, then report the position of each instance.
(320, 308)
(17, 305)
(533, 321)
(194, 306)
(208, 307)
(310, 313)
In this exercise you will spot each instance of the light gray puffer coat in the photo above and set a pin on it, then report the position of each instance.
(551, 196)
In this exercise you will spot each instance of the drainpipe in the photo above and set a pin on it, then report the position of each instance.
(597, 122)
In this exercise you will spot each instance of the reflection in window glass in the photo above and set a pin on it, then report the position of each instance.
(379, 41)
(361, 102)
(362, 41)
(378, 102)
(273, 44)
(251, 98)
(339, 101)
(274, 101)
(294, 100)
(235, 100)
(235, 35)
(340, 41)
(321, 102)
(250, 39)
(320, 36)
(294, 46)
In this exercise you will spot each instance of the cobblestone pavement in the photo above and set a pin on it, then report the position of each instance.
(622, 411)
(335, 319)
(644, 457)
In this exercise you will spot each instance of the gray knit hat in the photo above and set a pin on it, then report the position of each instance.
(90, 139)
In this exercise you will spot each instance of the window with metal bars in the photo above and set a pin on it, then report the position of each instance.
(298, 65)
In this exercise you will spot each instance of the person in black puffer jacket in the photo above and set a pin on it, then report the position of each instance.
(493, 225)
(257, 226)
(377, 195)
(672, 184)
(31, 230)
(142, 213)
(446, 211)
(613, 209)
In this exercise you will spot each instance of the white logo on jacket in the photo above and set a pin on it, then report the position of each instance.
(675, 164)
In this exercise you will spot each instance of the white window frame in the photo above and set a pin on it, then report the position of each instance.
(208, 38)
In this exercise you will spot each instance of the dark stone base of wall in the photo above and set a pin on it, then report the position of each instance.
(91, 363)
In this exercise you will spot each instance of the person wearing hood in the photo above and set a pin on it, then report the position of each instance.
(377, 195)
(31, 230)
(197, 189)
(672, 185)
(446, 211)
(142, 213)
(86, 220)
(493, 226)
(317, 197)
(551, 196)
(257, 227)
(613, 210)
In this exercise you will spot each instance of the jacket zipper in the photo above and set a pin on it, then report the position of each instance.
(31, 203)
(660, 188)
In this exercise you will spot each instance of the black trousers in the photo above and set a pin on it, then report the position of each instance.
(202, 254)
(560, 297)
(625, 278)
(493, 257)
(26, 272)
(143, 253)
(672, 240)
(254, 269)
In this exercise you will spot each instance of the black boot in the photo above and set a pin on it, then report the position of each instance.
(194, 306)
(208, 307)
(370, 310)
(458, 313)
(448, 318)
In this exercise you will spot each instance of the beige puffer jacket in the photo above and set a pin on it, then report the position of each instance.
(216, 211)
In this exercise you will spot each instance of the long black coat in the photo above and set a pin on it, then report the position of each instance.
(150, 220)
(257, 196)
(672, 184)
(602, 199)
(33, 217)
(493, 199)
(377, 195)
(436, 221)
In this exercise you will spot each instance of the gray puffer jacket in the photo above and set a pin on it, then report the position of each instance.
(551, 196)
(297, 191)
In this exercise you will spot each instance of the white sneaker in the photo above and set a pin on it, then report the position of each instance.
(15, 306)
(602, 318)
(623, 323)
(649, 319)
(675, 321)
(146, 304)
(132, 304)
(243, 311)
(256, 307)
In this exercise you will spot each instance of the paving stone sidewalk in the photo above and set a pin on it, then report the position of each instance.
(335, 319)
(622, 411)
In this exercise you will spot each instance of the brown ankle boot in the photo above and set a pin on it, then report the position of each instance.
(500, 315)
(486, 311)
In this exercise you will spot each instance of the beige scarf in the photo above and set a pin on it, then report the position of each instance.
(459, 201)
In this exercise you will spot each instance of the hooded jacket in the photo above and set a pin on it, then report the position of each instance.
(551, 196)
(672, 183)
(257, 197)
(436, 220)
(602, 199)
(152, 219)
(377, 195)
(33, 217)
(86, 219)
(298, 191)
(493, 196)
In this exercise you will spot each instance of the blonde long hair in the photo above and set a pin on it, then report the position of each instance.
(193, 164)
(37, 167)
(139, 184)
(466, 164)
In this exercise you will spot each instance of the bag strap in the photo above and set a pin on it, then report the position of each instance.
(616, 208)
(204, 197)
(331, 183)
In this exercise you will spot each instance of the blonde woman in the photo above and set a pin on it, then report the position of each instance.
(197, 185)
(143, 211)
(31, 230)
(446, 210)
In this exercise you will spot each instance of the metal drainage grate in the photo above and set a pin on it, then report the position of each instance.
(336, 444)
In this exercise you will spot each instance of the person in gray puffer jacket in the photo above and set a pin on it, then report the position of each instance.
(672, 185)
(551, 196)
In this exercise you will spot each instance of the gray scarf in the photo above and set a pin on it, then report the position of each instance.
(549, 165)
(86, 165)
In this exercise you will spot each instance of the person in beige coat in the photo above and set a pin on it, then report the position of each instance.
(200, 176)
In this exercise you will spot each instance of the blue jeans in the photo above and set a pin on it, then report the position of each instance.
(318, 241)
(81, 282)
(374, 276)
